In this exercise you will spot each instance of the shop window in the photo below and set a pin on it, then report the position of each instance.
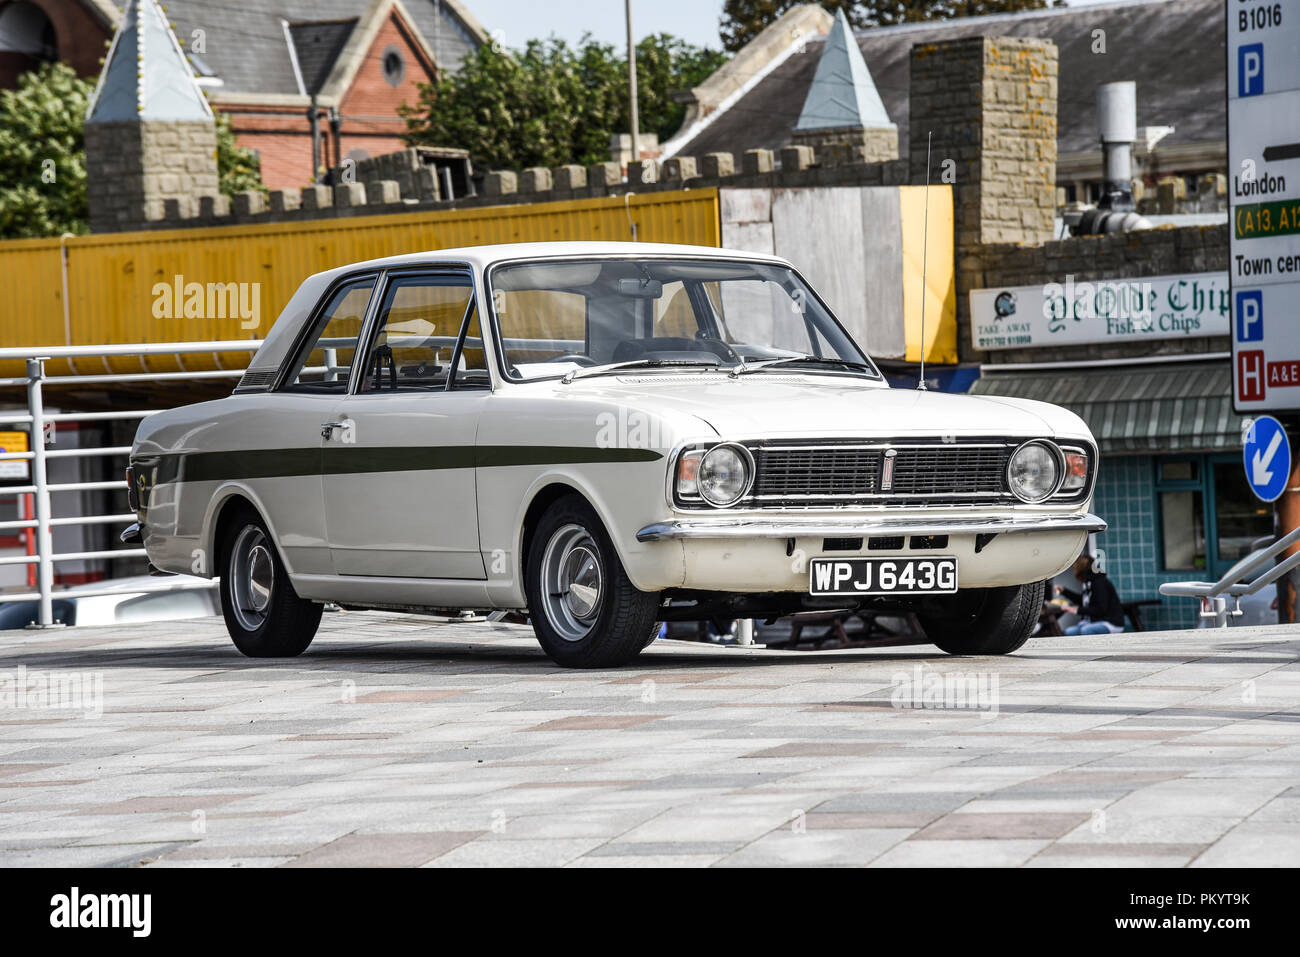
(1208, 517)
(1182, 524)
(1241, 518)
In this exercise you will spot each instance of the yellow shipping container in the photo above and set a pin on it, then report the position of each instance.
(121, 287)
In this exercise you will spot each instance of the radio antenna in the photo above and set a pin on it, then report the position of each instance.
(925, 252)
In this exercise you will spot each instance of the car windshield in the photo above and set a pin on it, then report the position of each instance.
(559, 318)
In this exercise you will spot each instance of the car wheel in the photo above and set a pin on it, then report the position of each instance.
(987, 621)
(585, 611)
(264, 615)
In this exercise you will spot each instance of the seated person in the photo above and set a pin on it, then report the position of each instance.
(1098, 605)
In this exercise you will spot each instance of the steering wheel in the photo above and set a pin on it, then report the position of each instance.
(585, 361)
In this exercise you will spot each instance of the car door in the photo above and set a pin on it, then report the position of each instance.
(282, 431)
(398, 465)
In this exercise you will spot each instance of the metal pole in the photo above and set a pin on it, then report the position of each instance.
(1287, 522)
(631, 85)
(44, 537)
(745, 631)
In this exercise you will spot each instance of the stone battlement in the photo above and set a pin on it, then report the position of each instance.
(420, 188)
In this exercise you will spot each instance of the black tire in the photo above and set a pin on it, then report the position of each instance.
(606, 624)
(987, 621)
(285, 624)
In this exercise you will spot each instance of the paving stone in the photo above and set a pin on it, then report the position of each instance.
(400, 740)
(383, 850)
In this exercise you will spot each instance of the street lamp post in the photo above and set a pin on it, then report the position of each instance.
(631, 84)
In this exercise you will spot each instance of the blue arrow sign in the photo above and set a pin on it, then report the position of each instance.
(1267, 456)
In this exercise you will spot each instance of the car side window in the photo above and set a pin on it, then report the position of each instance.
(420, 320)
(471, 364)
(325, 362)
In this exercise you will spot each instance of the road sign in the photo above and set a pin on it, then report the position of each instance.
(1264, 202)
(1267, 457)
(13, 469)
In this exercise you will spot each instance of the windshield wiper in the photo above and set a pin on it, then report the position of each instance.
(634, 363)
(834, 361)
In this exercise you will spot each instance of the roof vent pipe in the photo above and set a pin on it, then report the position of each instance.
(1117, 128)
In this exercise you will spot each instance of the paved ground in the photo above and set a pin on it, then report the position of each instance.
(397, 741)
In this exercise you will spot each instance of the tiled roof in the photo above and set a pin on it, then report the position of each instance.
(318, 46)
(146, 76)
(1173, 408)
(1174, 49)
(244, 42)
(841, 93)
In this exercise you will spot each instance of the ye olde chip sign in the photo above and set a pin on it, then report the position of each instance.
(1264, 165)
(1117, 310)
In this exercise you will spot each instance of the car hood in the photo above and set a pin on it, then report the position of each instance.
(768, 403)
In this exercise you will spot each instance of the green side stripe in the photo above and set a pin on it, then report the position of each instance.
(354, 460)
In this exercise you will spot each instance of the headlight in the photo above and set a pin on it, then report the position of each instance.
(720, 476)
(1034, 472)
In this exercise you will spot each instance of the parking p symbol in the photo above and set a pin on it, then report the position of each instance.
(1250, 69)
(1250, 316)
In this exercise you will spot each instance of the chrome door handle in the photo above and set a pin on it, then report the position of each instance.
(327, 429)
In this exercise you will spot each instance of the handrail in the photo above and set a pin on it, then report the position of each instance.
(40, 521)
(128, 349)
(1214, 595)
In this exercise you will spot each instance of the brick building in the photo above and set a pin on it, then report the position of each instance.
(33, 32)
(306, 83)
(310, 83)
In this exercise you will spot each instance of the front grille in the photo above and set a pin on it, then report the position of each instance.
(839, 474)
(943, 471)
(782, 473)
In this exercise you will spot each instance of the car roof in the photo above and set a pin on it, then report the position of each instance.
(484, 256)
(282, 333)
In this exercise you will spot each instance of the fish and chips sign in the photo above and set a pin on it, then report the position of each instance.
(1114, 310)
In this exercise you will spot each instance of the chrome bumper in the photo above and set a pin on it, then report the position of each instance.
(714, 527)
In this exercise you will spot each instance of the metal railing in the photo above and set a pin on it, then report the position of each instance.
(1237, 583)
(43, 520)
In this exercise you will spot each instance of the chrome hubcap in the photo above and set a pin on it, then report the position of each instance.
(573, 579)
(252, 577)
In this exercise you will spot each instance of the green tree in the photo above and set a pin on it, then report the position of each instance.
(42, 157)
(238, 169)
(742, 20)
(550, 103)
(664, 65)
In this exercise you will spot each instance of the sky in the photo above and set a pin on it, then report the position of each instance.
(695, 21)
(514, 22)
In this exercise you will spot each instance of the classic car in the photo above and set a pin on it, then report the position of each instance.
(606, 435)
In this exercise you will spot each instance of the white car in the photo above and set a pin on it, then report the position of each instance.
(608, 435)
(138, 598)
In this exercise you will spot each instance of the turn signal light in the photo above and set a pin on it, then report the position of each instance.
(688, 472)
(1076, 471)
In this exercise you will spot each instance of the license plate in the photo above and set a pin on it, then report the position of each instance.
(883, 576)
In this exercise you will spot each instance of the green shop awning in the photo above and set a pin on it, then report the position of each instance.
(1172, 407)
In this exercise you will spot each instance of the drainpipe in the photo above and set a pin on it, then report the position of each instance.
(336, 127)
(67, 310)
(313, 118)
